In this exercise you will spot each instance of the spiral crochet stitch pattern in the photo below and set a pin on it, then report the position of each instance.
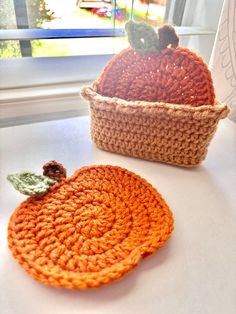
(172, 75)
(89, 229)
(175, 76)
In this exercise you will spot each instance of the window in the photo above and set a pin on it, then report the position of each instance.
(76, 26)
(48, 48)
(50, 28)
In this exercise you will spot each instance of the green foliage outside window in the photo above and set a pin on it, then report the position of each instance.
(37, 14)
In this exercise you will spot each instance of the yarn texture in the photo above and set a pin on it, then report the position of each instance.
(89, 229)
(142, 37)
(158, 131)
(175, 75)
(54, 170)
(29, 183)
(157, 105)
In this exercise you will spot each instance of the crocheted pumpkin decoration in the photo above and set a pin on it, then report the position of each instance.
(155, 69)
(89, 229)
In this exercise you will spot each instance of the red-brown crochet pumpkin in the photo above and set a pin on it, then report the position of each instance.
(155, 69)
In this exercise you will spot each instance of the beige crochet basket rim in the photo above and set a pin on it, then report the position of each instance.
(185, 152)
(218, 110)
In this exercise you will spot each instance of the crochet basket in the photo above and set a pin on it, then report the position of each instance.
(155, 100)
(158, 131)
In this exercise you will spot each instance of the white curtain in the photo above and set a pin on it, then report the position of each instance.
(223, 58)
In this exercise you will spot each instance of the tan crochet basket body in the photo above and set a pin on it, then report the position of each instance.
(171, 133)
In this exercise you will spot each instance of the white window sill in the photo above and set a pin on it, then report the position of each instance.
(36, 104)
(58, 94)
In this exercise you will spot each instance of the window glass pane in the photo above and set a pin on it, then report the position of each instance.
(78, 46)
(40, 12)
(10, 49)
(79, 13)
(75, 14)
(7, 14)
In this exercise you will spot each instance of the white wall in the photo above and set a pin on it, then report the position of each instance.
(202, 13)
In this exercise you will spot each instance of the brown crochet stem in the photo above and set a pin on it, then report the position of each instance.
(167, 36)
(54, 170)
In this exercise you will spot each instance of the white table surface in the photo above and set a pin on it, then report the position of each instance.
(194, 273)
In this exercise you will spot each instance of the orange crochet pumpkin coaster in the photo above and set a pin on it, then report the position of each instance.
(89, 229)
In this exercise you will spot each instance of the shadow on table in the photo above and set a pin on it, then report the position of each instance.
(17, 280)
(203, 180)
(122, 286)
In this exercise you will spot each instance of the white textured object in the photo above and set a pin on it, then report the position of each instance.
(194, 273)
(223, 58)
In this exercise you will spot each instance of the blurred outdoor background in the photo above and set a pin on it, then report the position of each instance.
(76, 14)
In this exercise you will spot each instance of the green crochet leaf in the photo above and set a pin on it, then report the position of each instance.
(142, 37)
(29, 183)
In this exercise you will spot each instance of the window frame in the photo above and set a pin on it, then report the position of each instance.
(48, 70)
(20, 79)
